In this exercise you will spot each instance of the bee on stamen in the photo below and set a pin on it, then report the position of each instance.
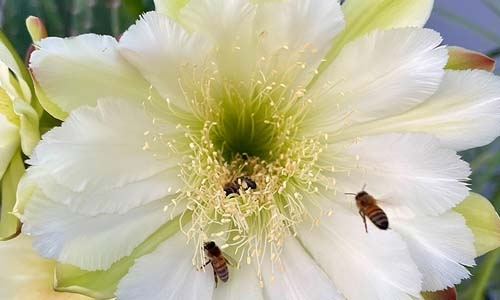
(242, 182)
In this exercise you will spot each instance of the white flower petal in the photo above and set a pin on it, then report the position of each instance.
(166, 55)
(373, 265)
(228, 24)
(79, 70)
(379, 75)
(295, 33)
(298, 277)
(464, 113)
(439, 246)
(410, 170)
(89, 242)
(106, 147)
(93, 201)
(167, 273)
(243, 284)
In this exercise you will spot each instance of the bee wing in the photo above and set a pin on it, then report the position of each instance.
(230, 261)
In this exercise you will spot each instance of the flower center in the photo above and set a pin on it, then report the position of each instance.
(254, 137)
(245, 130)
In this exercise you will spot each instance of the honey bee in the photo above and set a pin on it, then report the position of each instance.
(244, 182)
(218, 260)
(368, 208)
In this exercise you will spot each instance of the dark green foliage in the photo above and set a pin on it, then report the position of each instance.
(70, 17)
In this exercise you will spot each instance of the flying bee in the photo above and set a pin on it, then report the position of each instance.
(243, 182)
(368, 208)
(218, 260)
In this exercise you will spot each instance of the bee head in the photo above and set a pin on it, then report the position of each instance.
(361, 194)
(209, 245)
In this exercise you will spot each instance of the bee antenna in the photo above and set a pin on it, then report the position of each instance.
(350, 194)
(364, 186)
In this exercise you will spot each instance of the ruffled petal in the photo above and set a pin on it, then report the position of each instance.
(378, 75)
(89, 242)
(378, 259)
(440, 246)
(96, 201)
(167, 273)
(464, 113)
(296, 276)
(107, 147)
(102, 284)
(79, 70)
(228, 24)
(293, 37)
(168, 56)
(410, 170)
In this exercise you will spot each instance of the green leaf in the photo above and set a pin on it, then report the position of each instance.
(483, 220)
(102, 284)
(9, 224)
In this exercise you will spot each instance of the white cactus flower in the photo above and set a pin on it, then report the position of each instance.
(159, 123)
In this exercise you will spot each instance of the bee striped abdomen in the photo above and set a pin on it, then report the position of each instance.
(377, 216)
(220, 267)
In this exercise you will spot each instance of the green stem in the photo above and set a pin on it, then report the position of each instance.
(464, 22)
(484, 273)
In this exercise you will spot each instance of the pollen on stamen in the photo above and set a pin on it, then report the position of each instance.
(251, 224)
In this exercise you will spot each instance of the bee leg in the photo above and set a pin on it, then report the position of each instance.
(364, 220)
(202, 267)
(215, 278)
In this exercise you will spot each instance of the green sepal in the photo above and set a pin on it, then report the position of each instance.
(483, 220)
(9, 224)
(28, 130)
(49, 106)
(448, 294)
(170, 8)
(463, 59)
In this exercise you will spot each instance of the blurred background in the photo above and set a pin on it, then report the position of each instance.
(473, 24)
